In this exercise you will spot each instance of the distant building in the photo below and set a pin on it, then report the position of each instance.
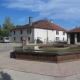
(44, 30)
(74, 36)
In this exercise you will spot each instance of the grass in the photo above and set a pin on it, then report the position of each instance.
(74, 48)
(61, 49)
(18, 48)
(51, 49)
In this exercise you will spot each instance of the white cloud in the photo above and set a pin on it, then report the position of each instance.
(24, 4)
(22, 19)
(54, 9)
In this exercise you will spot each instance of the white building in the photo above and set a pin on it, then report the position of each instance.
(44, 30)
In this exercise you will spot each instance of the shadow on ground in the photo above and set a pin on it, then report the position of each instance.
(4, 76)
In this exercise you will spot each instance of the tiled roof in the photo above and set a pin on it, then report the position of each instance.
(43, 24)
(75, 30)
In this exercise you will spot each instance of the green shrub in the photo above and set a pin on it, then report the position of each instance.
(30, 48)
(18, 48)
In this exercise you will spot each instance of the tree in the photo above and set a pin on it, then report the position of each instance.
(5, 33)
(17, 25)
(7, 26)
(0, 28)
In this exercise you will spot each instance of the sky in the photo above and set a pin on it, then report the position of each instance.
(64, 13)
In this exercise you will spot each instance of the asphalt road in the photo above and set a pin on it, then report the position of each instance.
(8, 46)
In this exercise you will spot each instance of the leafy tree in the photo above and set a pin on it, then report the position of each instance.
(7, 26)
(0, 28)
(5, 32)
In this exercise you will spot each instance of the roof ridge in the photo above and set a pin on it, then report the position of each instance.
(57, 26)
(74, 30)
(43, 25)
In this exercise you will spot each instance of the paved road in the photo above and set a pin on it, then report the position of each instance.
(8, 46)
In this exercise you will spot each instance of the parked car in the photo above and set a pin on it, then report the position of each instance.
(5, 39)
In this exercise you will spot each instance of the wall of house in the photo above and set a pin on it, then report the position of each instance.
(18, 35)
(42, 33)
(38, 33)
(60, 35)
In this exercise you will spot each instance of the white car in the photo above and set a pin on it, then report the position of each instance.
(5, 39)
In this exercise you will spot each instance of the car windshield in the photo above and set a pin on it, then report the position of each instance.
(7, 38)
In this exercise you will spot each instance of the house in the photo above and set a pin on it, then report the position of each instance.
(44, 30)
(73, 36)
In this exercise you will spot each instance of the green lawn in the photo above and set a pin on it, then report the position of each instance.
(50, 49)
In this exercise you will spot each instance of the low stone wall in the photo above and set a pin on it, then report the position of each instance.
(68, 56)
(47, 56)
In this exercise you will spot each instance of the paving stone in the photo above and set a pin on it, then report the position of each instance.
(43, 70)
(16, 75)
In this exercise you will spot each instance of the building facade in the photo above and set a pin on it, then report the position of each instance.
(43, 30)
(73, 36)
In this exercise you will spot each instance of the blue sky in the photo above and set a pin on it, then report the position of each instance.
(65, 13)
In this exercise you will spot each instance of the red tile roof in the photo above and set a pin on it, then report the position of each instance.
(43, 24)
(75, 30)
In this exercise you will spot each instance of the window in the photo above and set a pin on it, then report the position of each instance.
(21, 31)
(14, 32)
(14, 38)
(28, 38)
(28, 31)
(7, 38)
(57, 32)
(21, 38)
(63, 33)
(57, 38)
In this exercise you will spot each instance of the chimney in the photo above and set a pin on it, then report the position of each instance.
(30, 21)
(51, 21)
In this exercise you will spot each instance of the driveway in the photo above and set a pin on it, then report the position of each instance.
(8, 46)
